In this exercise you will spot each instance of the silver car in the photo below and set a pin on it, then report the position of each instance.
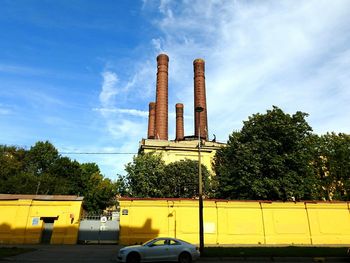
(159, 249)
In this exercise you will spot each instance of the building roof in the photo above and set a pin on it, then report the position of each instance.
(41, 197)
(187, 145)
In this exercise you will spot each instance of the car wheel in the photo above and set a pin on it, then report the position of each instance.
(185, 258)
(133, 258)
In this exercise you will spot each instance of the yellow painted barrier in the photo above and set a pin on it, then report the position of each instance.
(236, 222)
(329, 223)
(285, 223)
(25, 219)
(240, 223)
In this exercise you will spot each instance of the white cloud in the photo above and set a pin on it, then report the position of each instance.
(126, 129)
(109, 88)
(133, 112)
(157, 44)
(126, 126)
(293, 54)
(21, 70)
(4, 111)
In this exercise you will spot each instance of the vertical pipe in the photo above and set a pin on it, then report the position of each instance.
(151, 120)
(200, 99)
(179, 107)
(161, 124)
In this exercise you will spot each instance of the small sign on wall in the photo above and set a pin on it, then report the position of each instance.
(209, 227)
(35, 221)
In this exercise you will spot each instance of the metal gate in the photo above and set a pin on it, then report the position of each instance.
(99, 228)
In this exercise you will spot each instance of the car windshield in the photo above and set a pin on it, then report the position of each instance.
(147, 242)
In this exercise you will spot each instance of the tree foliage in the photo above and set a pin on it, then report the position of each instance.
(332, 165)
(148, 176)
(42, 170)
(268, 159)
(145, 176)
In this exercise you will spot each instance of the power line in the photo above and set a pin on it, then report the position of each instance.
(97, 153)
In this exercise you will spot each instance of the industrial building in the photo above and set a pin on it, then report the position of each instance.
(183, 147)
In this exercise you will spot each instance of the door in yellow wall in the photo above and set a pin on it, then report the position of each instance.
(47, 229)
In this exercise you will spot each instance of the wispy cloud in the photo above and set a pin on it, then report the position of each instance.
(5, 111)
(293, 54)
(16, 69)
(260, 54)
(125, 125)
(109, 88)
(133, 112)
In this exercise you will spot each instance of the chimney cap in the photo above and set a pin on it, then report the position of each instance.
(179, 105)
(198, 60)
(162, 56)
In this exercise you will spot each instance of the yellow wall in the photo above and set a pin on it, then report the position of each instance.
(235, 222)
(173, 151)
(20, 221)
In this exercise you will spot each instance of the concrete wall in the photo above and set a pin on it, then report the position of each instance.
(234, 222)
(22, 221)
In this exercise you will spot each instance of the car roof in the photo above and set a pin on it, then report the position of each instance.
(170, 238)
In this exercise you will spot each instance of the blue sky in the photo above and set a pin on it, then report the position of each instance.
(81, 73)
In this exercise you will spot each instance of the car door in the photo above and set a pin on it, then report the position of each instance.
(157, 250)
(175, 248)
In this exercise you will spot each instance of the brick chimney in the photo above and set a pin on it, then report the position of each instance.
(200, 99)
(151, 120)
(179, 122)
(161, 114)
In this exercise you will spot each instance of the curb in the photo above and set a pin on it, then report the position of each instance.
(276, 259)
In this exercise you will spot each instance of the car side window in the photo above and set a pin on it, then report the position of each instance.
(173, 243)
(160, 242)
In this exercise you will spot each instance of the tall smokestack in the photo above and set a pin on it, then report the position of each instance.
(161, 129)
(200, 99)
(179, 122)
(151, 120)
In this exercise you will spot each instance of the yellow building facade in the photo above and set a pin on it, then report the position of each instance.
(34, 219)
(173, 151)
(236, 222)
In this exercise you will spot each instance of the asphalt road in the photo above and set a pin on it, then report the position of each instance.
(107, 254)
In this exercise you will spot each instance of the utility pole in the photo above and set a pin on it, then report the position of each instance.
(200, 184)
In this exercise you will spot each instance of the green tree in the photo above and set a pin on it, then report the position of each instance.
(181, 179)
(144, 176)
(98, 192)
(11, 164)
(268, 159)
(41, 157)
(68, 177)
(42, 170)
(148, 176)
(332, 165)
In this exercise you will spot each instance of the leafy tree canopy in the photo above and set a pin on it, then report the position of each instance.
(42, 170)
(332, 165)
(268, 159)
(148, 176)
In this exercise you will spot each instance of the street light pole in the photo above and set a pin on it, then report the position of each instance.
(200, 184)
